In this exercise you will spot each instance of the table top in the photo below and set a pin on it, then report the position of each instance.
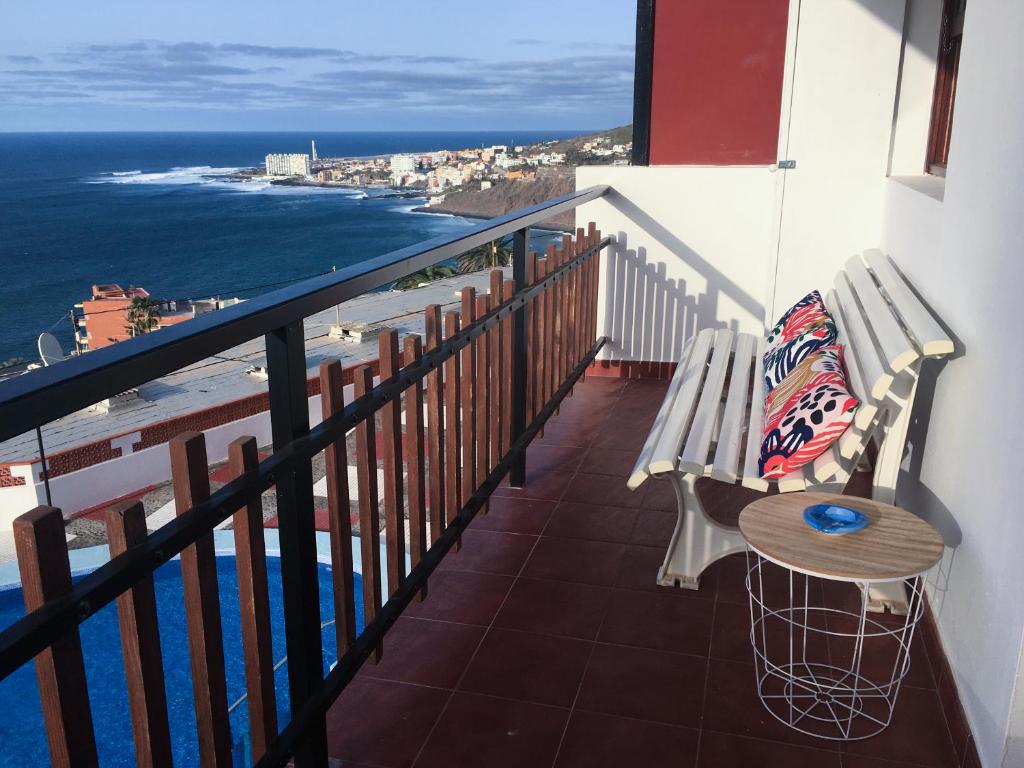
(894, 545)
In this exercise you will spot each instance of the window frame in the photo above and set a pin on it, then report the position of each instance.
(944, 96)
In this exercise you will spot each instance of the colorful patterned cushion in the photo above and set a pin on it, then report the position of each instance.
(806, 413)
(804, 328)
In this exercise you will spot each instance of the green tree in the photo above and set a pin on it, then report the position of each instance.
(496, 253)
(428, 275)
(143, 316)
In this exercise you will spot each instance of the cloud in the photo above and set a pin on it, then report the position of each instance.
(153, 74)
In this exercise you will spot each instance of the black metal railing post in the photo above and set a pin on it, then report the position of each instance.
(520, 245)
(289, 421)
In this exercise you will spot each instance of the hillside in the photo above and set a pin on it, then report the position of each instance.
(509, 196)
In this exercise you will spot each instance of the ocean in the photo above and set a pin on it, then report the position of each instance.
(77, 209)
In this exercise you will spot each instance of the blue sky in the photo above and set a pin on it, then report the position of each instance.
(296, 65)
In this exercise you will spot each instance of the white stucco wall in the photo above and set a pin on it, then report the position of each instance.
(858, 134)
(693, 250)
(963, 253)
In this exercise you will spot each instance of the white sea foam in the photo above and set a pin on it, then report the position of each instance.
(213, 176)
(196, 174)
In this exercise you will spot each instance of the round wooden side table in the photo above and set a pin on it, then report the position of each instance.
(828, 668)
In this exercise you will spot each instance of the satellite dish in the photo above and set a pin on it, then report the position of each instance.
(50, 350)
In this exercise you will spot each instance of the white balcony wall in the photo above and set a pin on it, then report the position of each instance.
(963, 253)
(862, 78)
(693, 250)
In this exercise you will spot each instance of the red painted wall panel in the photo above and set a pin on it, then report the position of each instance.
(717, 81)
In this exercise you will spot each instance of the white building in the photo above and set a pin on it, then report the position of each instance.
(403, 164)
(287, 165)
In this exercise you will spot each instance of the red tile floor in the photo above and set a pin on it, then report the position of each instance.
(544, 641)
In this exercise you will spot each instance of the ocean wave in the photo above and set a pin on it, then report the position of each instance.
(196, 174)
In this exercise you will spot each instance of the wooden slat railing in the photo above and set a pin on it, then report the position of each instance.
(457, 444)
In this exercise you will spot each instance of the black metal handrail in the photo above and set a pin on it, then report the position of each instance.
(50, 393)
(20, 642)
(53, 392)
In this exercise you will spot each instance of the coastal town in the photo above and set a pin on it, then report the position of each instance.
(438, 172)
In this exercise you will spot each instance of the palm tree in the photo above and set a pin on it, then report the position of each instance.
(143, 316)
(496, 253)
(427, 275)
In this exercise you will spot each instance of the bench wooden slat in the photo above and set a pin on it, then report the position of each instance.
(795, 480)
(666, 451)
(897, 349)
(640, 469)
(861, 344)
(751, 477)
(929, 336)
(730, 437)
(694, 456)
(854, 440)
(868, 407)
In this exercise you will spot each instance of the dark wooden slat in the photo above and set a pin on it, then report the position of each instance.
(189, 470)
(572, 308)
(532, 347)
(593, 277)
(452, 435)
(391, 450)
(60, 670)
(482, 397)
(435, 426)
(415, 460)
(369, 513)
(339, 508)
(140, 644)
(565, 256)
(495, 392)
(505, 380)
(254, 603)
(469, 428)
(550, 294)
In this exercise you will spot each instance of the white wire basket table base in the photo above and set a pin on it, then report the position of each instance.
(829, 672)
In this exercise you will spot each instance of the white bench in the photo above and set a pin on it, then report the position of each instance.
(710, 423)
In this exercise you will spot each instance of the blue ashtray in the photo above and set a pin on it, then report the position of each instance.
(829, 518)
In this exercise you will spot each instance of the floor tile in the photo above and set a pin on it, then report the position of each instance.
(594, 740)
(639, 570)
(609, 461)
(539, 485)
(660, 495)
(733, 706)
(644, 684)
(879, 652)
(654, 528)
(591, 521)
(719, 750)
(601, 490)
(564, 457)
(917, 713)
(462, 596)
(514, 516)
(483, 732)
(730, 636)
(382, 723)
(659, 621)
(569, 432)
(411, 652)
(527, 667)
(554, 608)
(490, 552)
(575, 560)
